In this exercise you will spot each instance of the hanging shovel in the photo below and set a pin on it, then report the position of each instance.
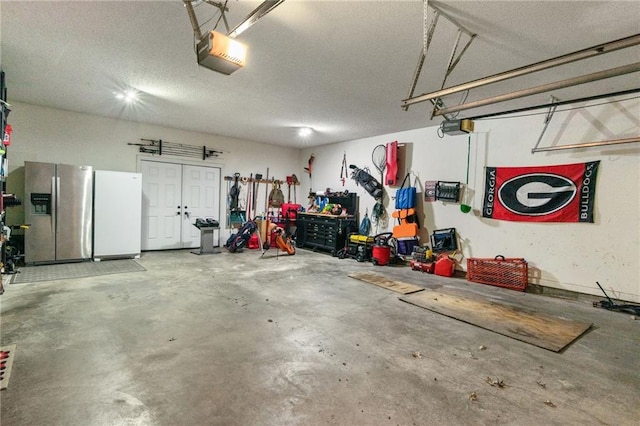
(255, 193)
(294, 182)
(289, 182)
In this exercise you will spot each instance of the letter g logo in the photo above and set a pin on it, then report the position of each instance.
(536, 194)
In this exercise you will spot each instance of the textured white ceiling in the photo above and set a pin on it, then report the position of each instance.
(339, 67)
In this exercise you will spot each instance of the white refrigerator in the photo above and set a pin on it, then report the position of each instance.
(117, 215)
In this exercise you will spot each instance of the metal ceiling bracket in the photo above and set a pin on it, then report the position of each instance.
(257, 14)
(579, 55)
(600, 75)
(423, 52)
(589, 144)
(453, 61)
(559, 103)
(193, 19)
(222, 8)
(547, 120)
(552, 108)
(428, 36)
(197, 32)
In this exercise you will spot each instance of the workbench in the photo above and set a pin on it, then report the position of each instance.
(320, 231)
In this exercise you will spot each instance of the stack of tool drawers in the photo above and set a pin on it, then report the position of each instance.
(324, 232)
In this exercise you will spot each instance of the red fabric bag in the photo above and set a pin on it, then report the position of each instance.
(290, 211)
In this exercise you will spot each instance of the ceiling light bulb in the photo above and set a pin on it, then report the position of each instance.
(305, 131)
(130, 96)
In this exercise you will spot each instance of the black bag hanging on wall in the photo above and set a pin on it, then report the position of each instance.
(365, 180)
(234, 193)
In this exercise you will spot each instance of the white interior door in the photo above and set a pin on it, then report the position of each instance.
(200, 199)
(174, 196)
(161, 205)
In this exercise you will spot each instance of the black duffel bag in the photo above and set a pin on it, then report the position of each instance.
(365, 180)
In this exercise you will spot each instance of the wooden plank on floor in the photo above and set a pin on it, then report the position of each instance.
(384, 282)
(546, 331)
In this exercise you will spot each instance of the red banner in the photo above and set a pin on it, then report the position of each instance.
(563, 193)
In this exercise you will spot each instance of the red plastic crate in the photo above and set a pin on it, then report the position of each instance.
(500, 271)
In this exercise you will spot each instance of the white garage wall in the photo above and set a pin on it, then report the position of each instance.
(565, 256)
(56, 136)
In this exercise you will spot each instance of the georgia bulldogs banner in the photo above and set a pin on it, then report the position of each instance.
(563, 193)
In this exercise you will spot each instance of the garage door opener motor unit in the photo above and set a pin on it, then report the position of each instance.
(457, 127)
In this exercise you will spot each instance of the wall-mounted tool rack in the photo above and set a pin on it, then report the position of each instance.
(160, 147)
(245, 179)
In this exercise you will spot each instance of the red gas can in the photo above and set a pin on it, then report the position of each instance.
(444, 266)
(254, 242)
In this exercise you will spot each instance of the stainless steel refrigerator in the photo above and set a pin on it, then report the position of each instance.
(59, 211)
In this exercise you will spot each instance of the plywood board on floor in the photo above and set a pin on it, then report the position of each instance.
(546, 331)
(384, 282)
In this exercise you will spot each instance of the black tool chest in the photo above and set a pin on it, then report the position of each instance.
(324, 232)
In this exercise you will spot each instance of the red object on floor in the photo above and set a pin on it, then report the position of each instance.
(444, 266)
(427, 267)
(254, 242)
(504, 272)
(380, 255)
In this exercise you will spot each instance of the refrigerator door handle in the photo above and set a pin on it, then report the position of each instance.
(55, 189)
(57, 193)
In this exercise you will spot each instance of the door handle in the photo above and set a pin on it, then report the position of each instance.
(187, 214)
(177, 213)
(54, 202)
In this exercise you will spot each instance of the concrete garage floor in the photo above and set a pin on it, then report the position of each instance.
(232, 339)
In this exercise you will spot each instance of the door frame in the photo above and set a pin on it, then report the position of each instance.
(199, 163)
